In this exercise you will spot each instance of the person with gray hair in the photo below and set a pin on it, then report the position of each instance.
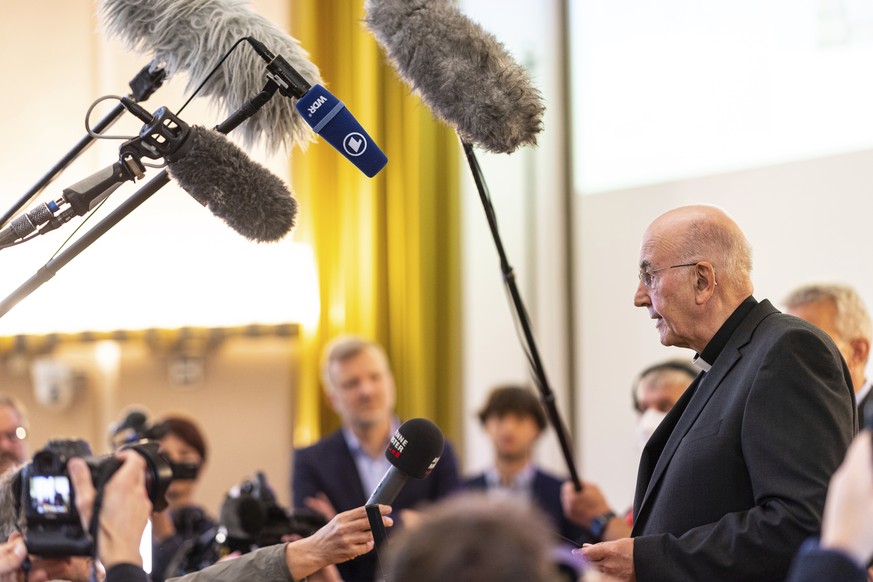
(339, 472)
(734, 479)
(839, 311)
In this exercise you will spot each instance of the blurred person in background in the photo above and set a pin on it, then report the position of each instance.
(184, 521)
(514, 419)
(839, 312)
(340, 471)
(13, 432)
(654, 393)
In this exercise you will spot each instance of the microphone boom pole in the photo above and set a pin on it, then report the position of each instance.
(537, 368)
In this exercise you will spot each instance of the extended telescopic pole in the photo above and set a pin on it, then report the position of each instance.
(539, 372)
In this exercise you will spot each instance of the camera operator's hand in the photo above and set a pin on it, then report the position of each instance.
(346, 536)
(124, 512)
(12, 555)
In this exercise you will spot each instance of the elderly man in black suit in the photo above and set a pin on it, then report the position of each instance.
(734, 478)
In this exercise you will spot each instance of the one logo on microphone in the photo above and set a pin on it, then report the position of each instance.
(355, 144)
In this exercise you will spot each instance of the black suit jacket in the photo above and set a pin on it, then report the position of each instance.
(546, 490)
(735, 477)
(328, 467)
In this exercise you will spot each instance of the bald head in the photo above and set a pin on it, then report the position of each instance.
(695, 269)
(701, 232)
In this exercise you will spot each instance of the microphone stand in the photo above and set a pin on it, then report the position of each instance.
(539, 372)
(142, 86)
(51, 268)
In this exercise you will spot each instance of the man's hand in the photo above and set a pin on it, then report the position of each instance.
(583, 506)
(125, 510)
(346, 536)
(616, 559)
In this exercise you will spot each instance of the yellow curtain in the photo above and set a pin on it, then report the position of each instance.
(387, 248)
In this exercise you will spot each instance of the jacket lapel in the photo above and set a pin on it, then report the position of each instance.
(706, 386)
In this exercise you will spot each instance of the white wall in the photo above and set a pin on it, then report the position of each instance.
(807, 221)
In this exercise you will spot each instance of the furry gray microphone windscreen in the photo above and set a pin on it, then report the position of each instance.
(193, 35)
(247, 196)
(462, 73)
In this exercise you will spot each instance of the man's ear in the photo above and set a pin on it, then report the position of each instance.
(860, 349)
(704, 282)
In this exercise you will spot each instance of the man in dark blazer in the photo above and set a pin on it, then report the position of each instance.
(839, 311)
(514, 420)
(734, 478)
(340, 471)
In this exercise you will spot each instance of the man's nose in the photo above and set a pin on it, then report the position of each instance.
(641, 297)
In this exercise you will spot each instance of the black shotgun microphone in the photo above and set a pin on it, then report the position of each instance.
(463, 73)
(414, 450)
(244, 194)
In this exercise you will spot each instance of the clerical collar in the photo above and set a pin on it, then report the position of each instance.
(710, 353)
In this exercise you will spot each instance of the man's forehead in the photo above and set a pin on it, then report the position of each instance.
(8, 414)
(648, 249)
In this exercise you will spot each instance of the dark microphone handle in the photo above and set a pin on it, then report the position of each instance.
(388, 488)
(374, 516)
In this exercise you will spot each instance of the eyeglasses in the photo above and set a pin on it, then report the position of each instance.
(648, 277)
(13, 436)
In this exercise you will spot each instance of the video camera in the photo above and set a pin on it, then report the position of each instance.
(252, 518)
(46, 496)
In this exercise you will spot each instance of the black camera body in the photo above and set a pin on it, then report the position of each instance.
(49, 505)
(47, 499)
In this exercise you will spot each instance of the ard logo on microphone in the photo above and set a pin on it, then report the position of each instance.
(316, 104)
(355, 144)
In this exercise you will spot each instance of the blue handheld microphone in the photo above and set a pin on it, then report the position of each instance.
(326, 114)
(330, 119)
